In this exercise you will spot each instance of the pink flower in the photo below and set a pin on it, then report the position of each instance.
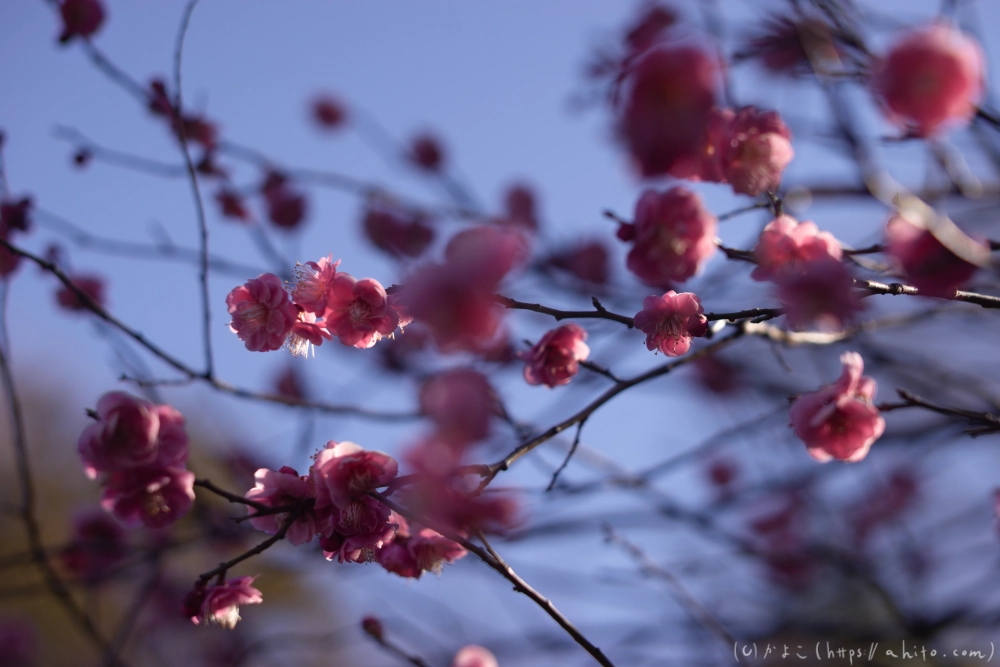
(307, 333)
(587, 261)
(929, 265)
(431, 550)
(931, 78)
(312, 283)
(839, 421)
(461, 403)
(649, 27)
(554, 359)
(670, 321)
(786, 245)
(80, 18)
(519, 207)
(343, 472)
(172, 439)
(153, 496)
(124, 436)
(97, 544)
(426, 152)
(459, 313)
(286, 208)
(474, 656)
(399, 233)
(220, 603)
(673, 236)
(279, 489)
(16, 214)
(756, 150)
(92, 286)
(355, 532)
(821, 295)
(358, 312)
(484, 255)
(263, 314)
(705, 162)
(328, 112)
(671, 82)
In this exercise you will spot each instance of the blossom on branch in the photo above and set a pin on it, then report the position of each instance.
(928, 264)
(786, 244)
(670, 321)
(820, 294)
(839, 420)
(263, 314)
(282, 488)
(153, 496)
(343, 472)
(474, 656)
(554, 359)
(220, 603)
(81, 18)
(358, 311)
(92, 286)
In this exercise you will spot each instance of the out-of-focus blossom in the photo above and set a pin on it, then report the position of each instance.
(328, 112)
(670, 92)
(81, 18)
(152, 496)
(519, 206)
(839, 420)
(461, 403)
(459, 313)
(426, 152)
(125, 435)
(263, 314)
(474, 656)
(358, 312)
(717, 375)
(485, 254)
(554, 359)
(96, 545)
(786, 245)
(286, 208)
(928, 264)
(673, 234)
(397, 232)
(91, 285)
(670, 321)
(756, 150)
(232, 205)
(650, 25)
(16, 214)
(220, 603)
(588, 261)
(932, 78)
(883, 504)
(372, 626)
(431, 550)
(819, 295)
(281, 488)
(290, 384)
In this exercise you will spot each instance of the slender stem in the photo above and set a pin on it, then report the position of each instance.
(569, 455)
(222, 568)
(599, 312)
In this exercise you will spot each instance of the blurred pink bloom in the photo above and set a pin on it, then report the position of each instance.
(717, 375)
(312, 283)
(16, 214)
(786, 245)
(92, 286)
(722, 472)
(279, 489)
(153, 496)
(124, 436)
(372, 626)
(290, 384)
(398, 232)
(673, 235)
(554, 359)
(431, 550)
(96, 545)
(839, 421)
(820, 295)
(286, 208)
(519, 207)
(705, 162)
(931, 78)
(755, 152)
(587, 261)
(426, 152)
(671, 82)
(358, 312)
(220, 603)
(80, 18)
(328, 112)
(648, 28)
(928, 264)
(485, 254)
(883, 504)
(172, 439)
(461, 403)
(670, 321)
(307, 333)
(232, 205)
(474, 656)
(459, 313)
(344, 472)
(263, 314)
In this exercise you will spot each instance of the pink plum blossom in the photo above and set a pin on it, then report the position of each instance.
(172, 439)
(328, 112)
(358, 312)
(426, 152)
(705, 162)
(398, 232)
(220, 603)
(355, 532)
(461, 403)
(474, 656)
(231, 204)
(279, 489)
(343, 472)
(786, 245)
(459, 313)
(670, 321)
(286, 208)
(484, 255)
(928, 264)
(839, 421)
(312, 283)
(307, 334)
(80, 18)
(16, 213)
(124, 436)
(263, 314)
(152, 496)
(587, 261)
(756, 150)
(431, 550)
(97, 544)
(92, 286)
(519, 207)
(931, 78)
(670, 92)
(821, 294)
(673, 235)
(554, 359)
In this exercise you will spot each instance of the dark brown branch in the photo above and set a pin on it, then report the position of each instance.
(229, 495)
(221, 570)
(980, 423)
(599, 312)
(895, 289)
(569, 455)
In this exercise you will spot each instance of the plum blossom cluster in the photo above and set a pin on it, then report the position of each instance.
(671, 321)
(138, 451)
(219, 604)
(840, 421)
(322, 303)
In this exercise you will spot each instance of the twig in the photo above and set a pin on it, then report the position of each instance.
(569, 455)
(230, 496)
(599, 312)
(221, 570)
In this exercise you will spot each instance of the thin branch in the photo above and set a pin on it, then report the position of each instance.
(980, 423)
(895, 289)
(229, 495)
(222, 568)
(599, 312)
(569, 455)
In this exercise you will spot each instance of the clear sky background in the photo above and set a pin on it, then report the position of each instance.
(495, 80)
